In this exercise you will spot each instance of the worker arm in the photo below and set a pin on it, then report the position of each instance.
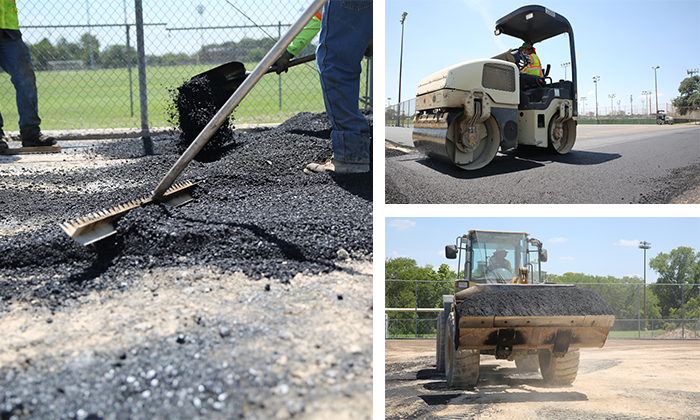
(300, 42)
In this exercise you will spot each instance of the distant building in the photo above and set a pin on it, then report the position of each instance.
(66, 65)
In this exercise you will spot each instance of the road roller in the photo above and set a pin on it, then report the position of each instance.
(466, 112)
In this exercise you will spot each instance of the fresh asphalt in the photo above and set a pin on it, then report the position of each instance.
(609, 164)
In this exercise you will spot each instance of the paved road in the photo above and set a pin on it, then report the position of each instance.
(609, 164)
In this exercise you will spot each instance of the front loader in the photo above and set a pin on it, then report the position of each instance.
(504, 309)
(466, 112)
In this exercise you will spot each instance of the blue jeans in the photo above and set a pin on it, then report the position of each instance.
(346, 29)
(15, 60)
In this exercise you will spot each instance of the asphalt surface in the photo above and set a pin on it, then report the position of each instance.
(608, 165)
(267, 250)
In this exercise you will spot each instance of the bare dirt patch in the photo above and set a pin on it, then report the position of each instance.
(626, 379)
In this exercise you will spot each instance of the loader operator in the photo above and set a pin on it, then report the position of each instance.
(16, 61)
(498, 260)
(346, 35)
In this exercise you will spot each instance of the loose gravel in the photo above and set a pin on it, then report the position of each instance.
(553, 301)
(253, 279)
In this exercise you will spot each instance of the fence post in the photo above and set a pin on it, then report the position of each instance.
(141, 53)
(415, 313)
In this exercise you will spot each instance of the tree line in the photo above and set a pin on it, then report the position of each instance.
(88, 51)
(675, 294)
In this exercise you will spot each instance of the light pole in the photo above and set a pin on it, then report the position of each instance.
(595, 81)
(646, 94)
(403, 19)
(631, 109)
(583, 100)
(656, 89)
(645, 245)
(612, 107)
(565, 65)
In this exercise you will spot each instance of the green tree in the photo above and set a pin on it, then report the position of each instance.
(690, 95)
(90, 49)
(41, 53)
(116, 56)
(67, 50)
(679, 267)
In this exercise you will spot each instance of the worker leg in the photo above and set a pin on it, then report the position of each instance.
(346, 29)
(15, 60)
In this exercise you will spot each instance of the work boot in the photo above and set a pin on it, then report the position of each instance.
(333, 165)
(3, 145)
(39, 141)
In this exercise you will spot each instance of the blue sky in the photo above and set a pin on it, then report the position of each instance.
(617, 40)
(591, 245)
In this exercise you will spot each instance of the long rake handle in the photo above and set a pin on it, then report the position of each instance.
(235, 99)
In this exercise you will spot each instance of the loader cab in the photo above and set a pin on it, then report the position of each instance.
(494, 257)
(534, 24)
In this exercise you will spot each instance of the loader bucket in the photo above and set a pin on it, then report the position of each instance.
(502, 319)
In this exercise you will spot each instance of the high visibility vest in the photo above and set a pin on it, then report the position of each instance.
(305, 36)
(8, 15)
(534, 67)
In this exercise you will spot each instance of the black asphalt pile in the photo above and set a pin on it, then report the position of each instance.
(255, 212)
(552, 301)
(195, 104)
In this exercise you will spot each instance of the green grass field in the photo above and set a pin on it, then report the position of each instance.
(100, 99)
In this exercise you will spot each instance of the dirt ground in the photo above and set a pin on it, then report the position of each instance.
(624, 380)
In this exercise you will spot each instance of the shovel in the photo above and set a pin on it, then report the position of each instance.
(235, 73)
(99, 225)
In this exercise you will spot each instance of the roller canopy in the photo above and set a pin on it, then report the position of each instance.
(533, 24)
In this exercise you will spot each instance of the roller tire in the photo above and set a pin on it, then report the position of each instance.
(440, 343)
(559, 370)
(488, 145)
(564, 145)
(462, 366)
(530, 364)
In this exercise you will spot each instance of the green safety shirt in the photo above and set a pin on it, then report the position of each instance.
(8, 15)
(9, 23)
(305, 36)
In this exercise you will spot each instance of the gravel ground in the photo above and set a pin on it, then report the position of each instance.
(624, 380)
(228, 307)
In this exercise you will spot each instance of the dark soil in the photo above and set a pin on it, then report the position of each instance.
(554, 301)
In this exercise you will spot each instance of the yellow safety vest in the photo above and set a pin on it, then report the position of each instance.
(8, 15)
(534, 68)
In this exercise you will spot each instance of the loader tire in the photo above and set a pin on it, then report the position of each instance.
(462, 366)
(529, 364)
(559, 370)
(440, 343)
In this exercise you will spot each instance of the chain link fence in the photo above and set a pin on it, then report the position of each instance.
(401, 114)
(672, 311)
(87, 60)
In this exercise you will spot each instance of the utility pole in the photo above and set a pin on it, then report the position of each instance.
(595, 81)
(645, 245)
(692, 71)
(398, 108)
(656, 89)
